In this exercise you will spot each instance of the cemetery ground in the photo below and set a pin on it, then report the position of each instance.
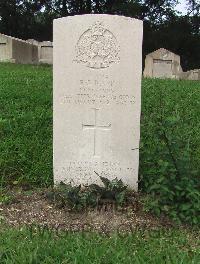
(161, 225)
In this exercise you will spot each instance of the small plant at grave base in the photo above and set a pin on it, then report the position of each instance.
(77, 198)
(66, 195)
(5, 198)
(113, 190)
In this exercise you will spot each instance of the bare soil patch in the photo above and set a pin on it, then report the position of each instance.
(34, 208)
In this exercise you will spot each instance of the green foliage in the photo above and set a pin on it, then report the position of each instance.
(5, 199)
(25, 125)
(163, 26)
(170, 149)
(112, 190)
(170, 35)
(75, 197)
(45, 246)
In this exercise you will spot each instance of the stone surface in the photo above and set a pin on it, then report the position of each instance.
(17, 50)
(46, 52)
(97, 98)
(5, 48)
(162, 64)
(33, 41)
(191, 75)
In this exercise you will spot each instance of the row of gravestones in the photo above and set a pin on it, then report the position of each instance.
(158, 64)
(165, 64)
(27, 52)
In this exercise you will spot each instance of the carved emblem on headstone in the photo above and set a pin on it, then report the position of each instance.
(97, 47)
(164, 54)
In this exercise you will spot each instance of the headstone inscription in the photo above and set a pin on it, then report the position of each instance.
(97, 98)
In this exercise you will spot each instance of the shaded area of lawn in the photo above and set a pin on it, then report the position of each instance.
(38, 245)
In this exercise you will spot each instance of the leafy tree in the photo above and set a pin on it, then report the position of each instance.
(170, 35)
(162, 25)
(193, 7)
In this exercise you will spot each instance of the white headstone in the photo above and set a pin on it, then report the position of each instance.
(97, 98)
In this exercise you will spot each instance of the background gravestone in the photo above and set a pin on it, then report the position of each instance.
(17, 50)
(191, 75)
(46, 52)
(33, 41)
(5, 48)
(162, 64)
(97, 98)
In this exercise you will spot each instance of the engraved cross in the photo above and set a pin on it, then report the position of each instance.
(96, 127)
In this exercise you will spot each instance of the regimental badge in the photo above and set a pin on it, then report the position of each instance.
(97, 47)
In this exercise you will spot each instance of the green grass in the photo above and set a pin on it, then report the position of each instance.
(26, 159)
(177, 103)
(169, 149)
(26, 121)
(161, 246)
(25, 124)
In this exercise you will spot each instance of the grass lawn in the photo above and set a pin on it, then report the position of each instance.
(162, 246)
(26, 160)
(26, 124)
